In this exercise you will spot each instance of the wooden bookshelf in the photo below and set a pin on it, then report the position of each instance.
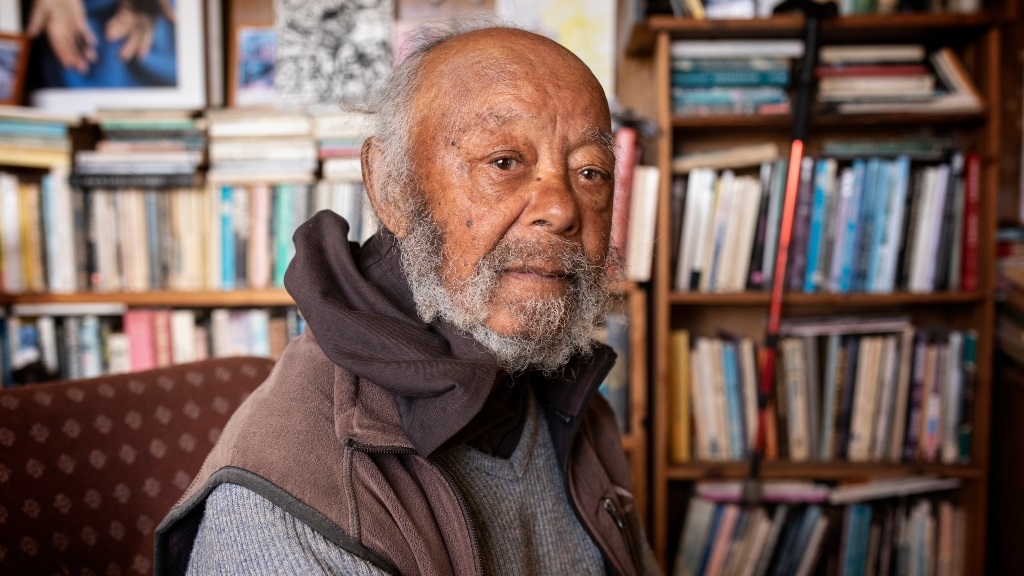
(644, 85)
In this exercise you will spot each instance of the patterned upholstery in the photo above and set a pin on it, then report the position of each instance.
(88, 468)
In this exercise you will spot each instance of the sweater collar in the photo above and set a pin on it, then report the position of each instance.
(359, 307)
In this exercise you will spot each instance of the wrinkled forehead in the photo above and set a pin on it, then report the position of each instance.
(499, 82)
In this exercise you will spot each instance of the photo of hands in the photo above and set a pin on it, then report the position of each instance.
(102, 43)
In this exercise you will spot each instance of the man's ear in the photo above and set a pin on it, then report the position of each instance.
(390, 215)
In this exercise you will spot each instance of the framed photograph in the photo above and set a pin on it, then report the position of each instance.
(13, 58)
(252, 78)
(138, 54)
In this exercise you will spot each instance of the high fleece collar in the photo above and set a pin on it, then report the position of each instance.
(358, 306)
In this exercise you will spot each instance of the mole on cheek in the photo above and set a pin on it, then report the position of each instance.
(469, 223)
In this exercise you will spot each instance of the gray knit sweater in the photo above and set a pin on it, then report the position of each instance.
(523, 518)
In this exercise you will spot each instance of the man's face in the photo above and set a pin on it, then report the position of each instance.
(512, 157)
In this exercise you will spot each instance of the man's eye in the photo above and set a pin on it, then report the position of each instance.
(504, 163)
(592, 174)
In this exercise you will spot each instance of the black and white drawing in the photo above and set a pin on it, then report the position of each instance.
(331, 50)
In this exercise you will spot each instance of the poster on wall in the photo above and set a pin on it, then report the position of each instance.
(91, 54)
(329, 51)
(585, 27)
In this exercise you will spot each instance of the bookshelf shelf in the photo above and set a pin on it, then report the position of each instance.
(847, 28)
(833, 471)
(851, 300)
(175, 299)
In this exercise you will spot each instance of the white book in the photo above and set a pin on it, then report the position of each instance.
(737, 48)
(183, 342)
(118, 353)
(213, 241)
(12, 278)
(701, 401)
(901, 398)
(642, 219)
(865, 400)
(888, 376)
(870, 53)
(883, 488)
(797, 416)
(47, 330)
(762, 528)
(69, 309)
(259, 332)
(699, 198)
(220, 332)
(952, 399)
(64, 227)
(750, 204)
(749, 379)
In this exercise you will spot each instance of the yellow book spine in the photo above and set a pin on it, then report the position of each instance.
(680, 439)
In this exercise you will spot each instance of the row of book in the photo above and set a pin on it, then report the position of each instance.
(710, 77)
(43, 342)
(873, 225)
(901, 527)
(57, 239)
(891, 78)
(856, 389)
(741, 77)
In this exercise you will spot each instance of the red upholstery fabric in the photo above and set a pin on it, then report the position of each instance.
(88, 468)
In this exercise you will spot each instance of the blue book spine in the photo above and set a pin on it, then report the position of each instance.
(49, 209)
(722, 95)
(894, 237)
(851, 236)
(709, 78)
(733, 399)
(865, 224)
(227, 239)
(6, 368)
(35, 129)
(880, 223)
(814, 236)
(282, 226)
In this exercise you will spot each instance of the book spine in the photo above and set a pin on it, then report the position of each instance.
(851, 236)
(626, 158)
(970, 368)
(227, 238)
(734, 400)
(681, 396)
(801, 226)
(144, 181)
(914, 413)
(283, 206)
(702, 79)
(755, 279)
(972, 201)
(812, 276)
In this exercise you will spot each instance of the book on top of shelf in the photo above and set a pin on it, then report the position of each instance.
(784, 48)
(742, 156)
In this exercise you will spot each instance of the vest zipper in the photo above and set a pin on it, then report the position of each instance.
(459, 496)
(464, 505)
(620, 523)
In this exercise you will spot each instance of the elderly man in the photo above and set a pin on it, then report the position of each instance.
(440, 415)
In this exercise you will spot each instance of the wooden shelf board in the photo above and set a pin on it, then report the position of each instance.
(762, 299)
(747, 121)
(854, 28)
(818, 470)
(177, 299)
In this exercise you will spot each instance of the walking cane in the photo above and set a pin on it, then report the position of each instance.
(815, 12)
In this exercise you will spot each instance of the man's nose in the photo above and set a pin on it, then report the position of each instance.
(552, 204)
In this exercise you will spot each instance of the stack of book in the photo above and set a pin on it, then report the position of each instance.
(45, 342)
(856, 389)
(902, 78)
(895, 526)
(34, 139)
(260, 146)
(339, 137)
(847, 7)
(732, 76)
(872, 224)
(151, 149)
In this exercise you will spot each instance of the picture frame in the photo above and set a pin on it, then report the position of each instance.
(253, 58)
(168, 73)
(13, 64)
